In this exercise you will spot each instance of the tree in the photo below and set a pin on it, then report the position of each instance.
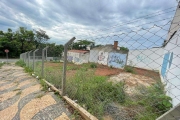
(55, 50)
(7, 42)
(40, 37)
(20, 41)
(25, 37)
(82, 44)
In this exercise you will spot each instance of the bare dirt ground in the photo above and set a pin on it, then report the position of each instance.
(22, 98)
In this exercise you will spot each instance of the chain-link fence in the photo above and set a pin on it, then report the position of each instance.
(129, 74)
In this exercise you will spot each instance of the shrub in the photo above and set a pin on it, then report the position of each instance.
(129, 69)
(1, 64)
(158, 98)
(94, 92)
(28, 70)
(44, 85)
(152, 100)
(20, 63)
(93, 65)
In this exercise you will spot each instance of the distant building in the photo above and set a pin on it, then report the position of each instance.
(78, 56)
(108, 55)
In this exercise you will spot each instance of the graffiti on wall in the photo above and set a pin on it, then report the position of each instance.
(70, 58)
(102, 57)
(143, 58)
(76, 59)
(117, 60)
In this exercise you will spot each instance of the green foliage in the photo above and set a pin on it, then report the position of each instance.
(94, 92)
(53, 76)
(93, 65)
(129, 69)
(1, 64)
(82, 44)
(20, 63)
(18, 93)
(40, 37)
(152, 100)
(20, 41)
(158, 98)
(44, 85)
(28, 70)
(124, 49)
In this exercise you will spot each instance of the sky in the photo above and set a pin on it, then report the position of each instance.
(85, 19)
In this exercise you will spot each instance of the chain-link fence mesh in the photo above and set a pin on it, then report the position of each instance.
(129, 73)
(38, 62)
(53, 68)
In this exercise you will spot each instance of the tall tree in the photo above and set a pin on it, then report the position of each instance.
(82, 44)
(24, 36)
(40, 37)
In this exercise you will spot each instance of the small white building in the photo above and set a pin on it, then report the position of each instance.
(78, 56)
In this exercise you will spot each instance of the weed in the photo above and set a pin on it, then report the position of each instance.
(19, 93)
(152, 100)
(28, 70)
(93, 65)
(129, 69)
(1, 64)
(17, 89)
(40, 96)
(94, 92)
(56, 93)
(44, 85)
(72, 67)
(20, 63)
(111, 67)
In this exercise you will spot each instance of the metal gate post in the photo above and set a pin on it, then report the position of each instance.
(65, 65)
(42, 67)
(29, 57)
(34, 53)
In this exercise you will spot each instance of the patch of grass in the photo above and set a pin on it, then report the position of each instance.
(152, 100)
(19, 93)
(72, 67)
(20, 63)
(93, 65)
(16, 89)
(56, 93)
(1, 64)
(94, 92)
(53, 76)
(44, 85)
(28, 70)
(40, 96)
(129, 69)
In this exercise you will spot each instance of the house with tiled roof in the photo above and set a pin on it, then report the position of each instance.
(78, 56)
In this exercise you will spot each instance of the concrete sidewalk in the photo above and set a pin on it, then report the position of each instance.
(22, 98)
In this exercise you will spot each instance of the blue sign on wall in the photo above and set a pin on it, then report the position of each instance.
(166, 60)
(117, 60)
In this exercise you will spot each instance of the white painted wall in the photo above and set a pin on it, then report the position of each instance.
(172, 68)
(79, 58)
(103, 57)
(93, 56)
(147, 59)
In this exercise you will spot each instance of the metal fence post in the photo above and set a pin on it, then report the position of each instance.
(29, 57)
(26, 58)
(65, 64)
(42, 68)
(34, 53)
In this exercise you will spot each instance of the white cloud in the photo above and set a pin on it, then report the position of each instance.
(63, 20)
